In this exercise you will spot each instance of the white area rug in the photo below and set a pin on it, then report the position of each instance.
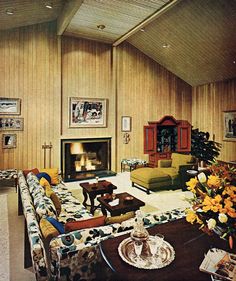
(4, 239)
(165, 200)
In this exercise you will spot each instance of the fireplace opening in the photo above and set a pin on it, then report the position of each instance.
(85, 158)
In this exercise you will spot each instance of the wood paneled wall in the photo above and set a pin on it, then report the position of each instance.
(208, 103)
(30, 70)
(87, 72)
(146, 91)
(44, 70)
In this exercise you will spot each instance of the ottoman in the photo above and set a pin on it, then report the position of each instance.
(150, 178)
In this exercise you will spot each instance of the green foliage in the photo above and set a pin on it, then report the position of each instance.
(202, 148)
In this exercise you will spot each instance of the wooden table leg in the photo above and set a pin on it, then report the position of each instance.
(92, 209)
(85, 198)
(104, 211)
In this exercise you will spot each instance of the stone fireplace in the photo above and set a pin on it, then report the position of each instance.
(85, 158)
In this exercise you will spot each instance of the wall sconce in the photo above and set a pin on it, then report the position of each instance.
(126, 138)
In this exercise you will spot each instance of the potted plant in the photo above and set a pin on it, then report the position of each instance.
(202, 148)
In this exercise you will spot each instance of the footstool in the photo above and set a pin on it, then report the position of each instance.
(150, 178)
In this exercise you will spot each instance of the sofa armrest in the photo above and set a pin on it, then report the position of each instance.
(164, 163)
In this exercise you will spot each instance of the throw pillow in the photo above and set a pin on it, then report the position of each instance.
(48, 230)
(47, 187)
(58, 225)
(121, 218)
(44, 175)
(56, 201)
(34, 171)
(77, 225)
(53, 173)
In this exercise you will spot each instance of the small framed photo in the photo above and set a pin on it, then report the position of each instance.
(87, 112)
(229, 119)
(11, 124)
(9, 106)
(126, 124)
(9, 141)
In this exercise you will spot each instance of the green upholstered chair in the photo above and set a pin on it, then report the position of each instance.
(170, 174)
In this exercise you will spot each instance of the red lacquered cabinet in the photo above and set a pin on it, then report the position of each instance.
(165, 136)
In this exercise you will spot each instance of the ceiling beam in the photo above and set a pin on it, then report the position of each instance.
(64, 19)
(148, 20)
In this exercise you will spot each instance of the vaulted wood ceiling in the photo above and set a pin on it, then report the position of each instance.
(194, 39)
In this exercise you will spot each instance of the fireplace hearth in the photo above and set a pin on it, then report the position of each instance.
(86, 158)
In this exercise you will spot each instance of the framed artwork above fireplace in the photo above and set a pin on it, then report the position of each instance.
(87, 112)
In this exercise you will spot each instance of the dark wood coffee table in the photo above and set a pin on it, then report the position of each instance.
(123, 206)
(190, 245)
(91, 190)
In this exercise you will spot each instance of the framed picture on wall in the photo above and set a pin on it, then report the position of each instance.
(9, 141)
(9, 106)
(126, 124)
(87, 112)
(229, 123)
(11, 124)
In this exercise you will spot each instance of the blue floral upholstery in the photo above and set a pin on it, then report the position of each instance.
(75, 255)
(35, 237)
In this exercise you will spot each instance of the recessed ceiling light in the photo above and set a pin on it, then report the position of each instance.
(10, 11)
(166, 45)
(101, 26)
(234, 61)
(49, 5)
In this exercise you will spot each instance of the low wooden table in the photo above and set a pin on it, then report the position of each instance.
(190, 245)
(91, 190)
(123, 206)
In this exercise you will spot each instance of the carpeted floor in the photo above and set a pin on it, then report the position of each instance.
(4, 240)
(13, 247)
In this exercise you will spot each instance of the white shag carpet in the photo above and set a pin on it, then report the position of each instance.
(165, 200)
(4, 239)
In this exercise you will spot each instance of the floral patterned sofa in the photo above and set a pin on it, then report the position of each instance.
(75, 255)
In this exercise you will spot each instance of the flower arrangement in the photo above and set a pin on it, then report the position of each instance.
(214, 201)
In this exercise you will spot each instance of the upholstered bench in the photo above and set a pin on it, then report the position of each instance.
(150, 178)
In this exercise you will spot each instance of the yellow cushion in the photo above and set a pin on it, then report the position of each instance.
(53, 173)
(47, 187)
(56, 201)
(164, 163)
(181, 159)
(120, 219)
(149, 175)
(172, 172)
(48, 230)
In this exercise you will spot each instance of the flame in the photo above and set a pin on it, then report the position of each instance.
(76, 148)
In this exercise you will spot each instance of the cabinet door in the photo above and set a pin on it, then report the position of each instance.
(184, 138)
(150, 139)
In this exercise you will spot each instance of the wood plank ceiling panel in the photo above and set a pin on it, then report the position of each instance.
(27, 12)
(200, 39)
(118, 17)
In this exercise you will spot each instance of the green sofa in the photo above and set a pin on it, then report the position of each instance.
(170, 174)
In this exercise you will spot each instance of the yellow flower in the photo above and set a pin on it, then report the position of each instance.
(191, 217)
(213, 181)
(212, 204)
(192, 184)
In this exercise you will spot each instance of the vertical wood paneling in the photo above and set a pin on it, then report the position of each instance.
(87, 72)
(146, 92)
(209, 102)
(32, 62)
(30, 70)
